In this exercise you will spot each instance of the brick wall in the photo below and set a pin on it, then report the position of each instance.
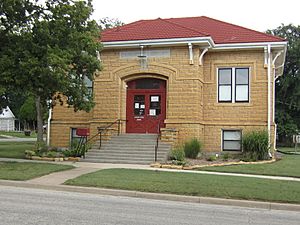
(192, 106)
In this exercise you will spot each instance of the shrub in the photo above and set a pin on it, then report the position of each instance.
(255, 145)
(52, 154)
(192, 148)
(70, 153)
(225, 156)
(177, 154)
(212, 158)
(29, 154)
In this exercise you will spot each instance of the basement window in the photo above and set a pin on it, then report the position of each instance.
(74, 138)
(231, 140)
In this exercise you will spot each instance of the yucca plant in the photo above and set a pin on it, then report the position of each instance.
(192, 148)
(255, 145)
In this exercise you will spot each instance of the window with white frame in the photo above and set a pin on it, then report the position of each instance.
(233, 84)
(231, 140)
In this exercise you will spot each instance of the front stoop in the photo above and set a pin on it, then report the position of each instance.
(128, 148)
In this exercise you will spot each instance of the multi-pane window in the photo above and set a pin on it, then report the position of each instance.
(233, 84)
(74, 137)
(89, 85)
(232, 140)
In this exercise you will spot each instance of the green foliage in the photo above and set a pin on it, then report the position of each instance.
(225, 156)
(192, 148)
(77, 149)
(53, 154)
(255, 145)
(40, 148)
(49, 49)
(107, 23)
(212, 158)
(177, 154)
(288, 85)
(28, 111)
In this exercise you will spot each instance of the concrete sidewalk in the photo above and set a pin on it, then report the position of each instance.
(6, 138)
(55, 181)
(87, 167)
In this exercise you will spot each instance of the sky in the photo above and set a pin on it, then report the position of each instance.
(259, 15)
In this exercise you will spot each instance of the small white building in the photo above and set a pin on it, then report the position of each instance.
(7, 120)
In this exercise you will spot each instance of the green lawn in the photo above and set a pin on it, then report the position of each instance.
(27, 170)
(288, 166)
(15, 149)
(17, 134)
(289, 149)
(192, 184)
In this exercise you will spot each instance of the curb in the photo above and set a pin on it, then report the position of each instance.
(157, 196)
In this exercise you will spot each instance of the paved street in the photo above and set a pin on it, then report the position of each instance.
(33, 206)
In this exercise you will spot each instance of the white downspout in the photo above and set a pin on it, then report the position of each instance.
(274, 81)
(269, 96)
(191, 53)
(201, 56)
(48, 125)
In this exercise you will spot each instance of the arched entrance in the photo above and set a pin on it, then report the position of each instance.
(145, 105)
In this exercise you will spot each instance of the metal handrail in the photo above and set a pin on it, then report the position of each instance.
(99, 134)
(102, 130)
(86, 144)
(157, 139)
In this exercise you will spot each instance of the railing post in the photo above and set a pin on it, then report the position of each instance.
(156, 146)
(155, 158)
(100, 139)
(119, 126)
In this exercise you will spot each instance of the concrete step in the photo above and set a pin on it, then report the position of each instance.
(118, 161)
(132, 151)
(128, 148)
(101, 155)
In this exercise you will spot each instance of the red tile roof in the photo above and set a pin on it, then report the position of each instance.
(189, 27)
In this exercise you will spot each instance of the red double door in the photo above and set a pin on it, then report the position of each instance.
(146, 105)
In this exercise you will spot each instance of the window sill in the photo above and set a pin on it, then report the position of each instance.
(234, 104)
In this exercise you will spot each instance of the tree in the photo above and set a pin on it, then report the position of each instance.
(107, 23)
(288, 85)
(14, 16)
(27, 111)
(50, 53)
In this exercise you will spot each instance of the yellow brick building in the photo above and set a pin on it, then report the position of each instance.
(183, 77)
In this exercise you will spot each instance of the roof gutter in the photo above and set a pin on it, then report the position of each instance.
(194, 41)
(159, 42)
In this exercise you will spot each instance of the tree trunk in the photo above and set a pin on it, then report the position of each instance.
(39, 118)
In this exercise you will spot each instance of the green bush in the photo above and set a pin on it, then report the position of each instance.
(70, 153)
(192, 148)
(225, 156)
(255, 145)
(177, 154)
(212, 158)
(54, 154)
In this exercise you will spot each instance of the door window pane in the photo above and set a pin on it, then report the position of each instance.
(155, 105)
(139, 105)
